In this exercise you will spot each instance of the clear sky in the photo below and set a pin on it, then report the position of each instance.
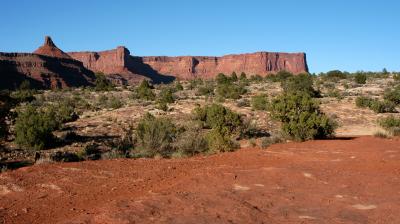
(348, 35)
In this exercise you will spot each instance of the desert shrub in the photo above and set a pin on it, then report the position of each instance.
(376, 105)
(380, 134)
(225, 125)
(220, 118)
(195, 82)
(299, 83)
(267, 141)
(24, 93)
(230, 90)
(391, 124)
(243, 76)
(301, 117)
(114, 102)
(256, 78)
(364, 102)
(192, 141)
(155, 136)
(206, 89)
(279, 77)
(393, 95)
(166, 95)
(178, 86)
(396, 77)
(102, 83)
(234, 77)
(259, 102)
(383, 106)
(222, 79)
(217, 142)
(34, 127)
(360, 78)
(65, 111)
(335, 75)
(335, 93)
(144, 91)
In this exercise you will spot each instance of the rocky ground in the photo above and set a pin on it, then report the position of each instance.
(332, 181)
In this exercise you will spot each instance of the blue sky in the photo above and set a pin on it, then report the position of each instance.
(337, 34)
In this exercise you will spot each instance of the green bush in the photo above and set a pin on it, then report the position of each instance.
(364, 102)
(393, 95)
(192, 141)
(220, 118)
(234, 77)
(279, 77)
(166, 96)
(301, 117)
(144, 91)
(299, 83)
(256, 78)
(360, 78)
(383, 106)
(224, 124)
(259, 102)
(102, 83)
(230, 91)
(217, 142)
(24, 93)
(335, 75)
(377, 106)
(178, 86)
(243, 76)
(206, 90)
(34, 127)
(114, 102)
(195, 82)
(391, 124)
(155, 136)
(222, 79)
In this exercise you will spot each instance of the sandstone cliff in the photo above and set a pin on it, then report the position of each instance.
(261, 63)
(50, 49)
(42, 71)
(133, 68)
(50, 67)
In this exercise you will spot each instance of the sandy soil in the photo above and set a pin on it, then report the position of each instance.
(331, 181)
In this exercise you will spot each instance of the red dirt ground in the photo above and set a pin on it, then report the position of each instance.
(331, 181)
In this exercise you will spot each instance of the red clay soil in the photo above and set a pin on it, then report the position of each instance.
(332, 181)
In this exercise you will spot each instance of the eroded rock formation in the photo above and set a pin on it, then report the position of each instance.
(119, 61)
(50, 67)
(50, 49)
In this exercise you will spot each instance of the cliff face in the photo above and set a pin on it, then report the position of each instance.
(42, 71)
(261, 63)
(47, 67)
(50, 49)
(119, 61)
(50, 67)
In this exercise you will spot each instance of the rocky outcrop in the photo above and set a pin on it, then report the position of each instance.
(119, 61)
(50, 67)
(50, 49)
(261, 63)
(42, 71)
(47, 67)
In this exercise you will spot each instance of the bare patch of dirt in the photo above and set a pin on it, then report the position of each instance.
(332, 181)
